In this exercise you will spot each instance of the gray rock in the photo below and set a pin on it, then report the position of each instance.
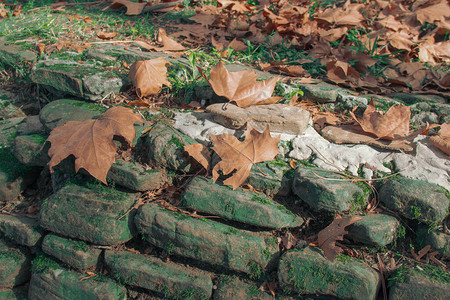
(16, 293)
(279, 117)
(415, 199)
(11, 54)
(410, 98)
(308, 272)
(31, 151)
(321, 92)
(22, 230)
(230, 288)
(9, 110)
(375, 230)
(9, 128)
(31, 125)
(327, 191)
(271, 178)
(409, 284)
(237, 205)
(207, 241)
(81, 80)
(95, 214)
(75, 253)
(438, 240)
(348, 102)
(170, 279)
(60, 283)
(58, 112)
(15, 265)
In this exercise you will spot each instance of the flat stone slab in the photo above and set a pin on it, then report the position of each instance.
(408, 284)
(237, 205)
(15, 263)
(321, 92)
(307, 271)
(81, 80)
(90, 213)
(75, 253)
(415, 199)
(60, 283)
(11, 54)
(352, 134)
(151, 273)
(279, 117)
(375, 230)
(326, 191)
(205, 240)
(22, 230)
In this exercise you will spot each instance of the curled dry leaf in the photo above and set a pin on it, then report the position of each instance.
(332, 233)
(240, 156)
(200, 153)
(106, 35)
(133, 8)
(394, 124)
(241, 87)
(442, 140)
(148, 76)
(91, 141)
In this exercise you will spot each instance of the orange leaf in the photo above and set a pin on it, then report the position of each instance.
(148, 76)
(240, 156)
(200, 153)
(106, 35)
(332, 233)
(91, 141)
(240, 87)
(133, 8)
(442, 140)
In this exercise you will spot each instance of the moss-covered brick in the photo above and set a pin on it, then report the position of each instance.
(93, 213)
(75, 253)
(15, 264)
(237, 205)
(22, 230)
(206, 240)
(162, 277)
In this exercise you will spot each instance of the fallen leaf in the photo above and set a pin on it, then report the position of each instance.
(91, 141)
(240, 87)
(3, 11)
(148, 76)
(421, 252)
(240, 156)
(133, 8)
(332, 233)
(168, 43)
(392, 125)
(41, 48)
(200, 153)
(106, 35)
(442, 140)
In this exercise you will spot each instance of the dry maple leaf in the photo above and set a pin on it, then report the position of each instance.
(332, 233)
(168, 43)
(240, 156)
(442, 140)
(200, 153)
(133, 8)
(91, 141)
(241, 87)
(392, 125)
(148, 76)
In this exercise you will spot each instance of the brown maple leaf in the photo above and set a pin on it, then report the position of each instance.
(241, 87)
(133, 8)
(332, 233)
(392, 125)
(168, 43)
(200, 153)
(148, 76)
(91, 141)
(240, 156)
(442, 140)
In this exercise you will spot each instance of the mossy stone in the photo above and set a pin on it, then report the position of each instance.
(16, 293)
(11, 54)
(92, 213)
(155, 275)
(271, 178)
(438, 240)
(237, 205)
(375, 230)
(22, 230)
(31, 151)
(8, 128)
(321, 92)
(231, 287)
(15, 265)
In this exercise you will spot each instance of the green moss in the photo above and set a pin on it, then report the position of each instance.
(284, 209)
(89, 106)
(43, 263)
(11, 254)
(10, 166)
(37, 138)
(261, 199)
(359, 200)
(279, 163)
(81, 245)
(428, 271)
(176, 141)
(255, 270)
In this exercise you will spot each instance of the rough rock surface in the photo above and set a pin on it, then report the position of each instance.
(22, 230)
(14, 265)
(375, 230)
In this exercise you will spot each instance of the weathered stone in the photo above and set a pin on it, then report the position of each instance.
(58, 112)
(237, 205)
(353, 134)
(82, 80)
(424, 117)
(230, 288)
(11, 54)
(409, 284)
(30, 150)
(321, 92)
(15, 265)
(31, 125)
(308, 272)
(415, 199)
(153, 274)
(60, 283)
(16, 293)
(134, 177)
(22, 230)
(75, 253)
(438, 240)
(376, 230)
(271, 178)
(239, 68)
(9, 110)
(279, 117)
(8, 128)
(348, 102)
(320, 190)
(164, 146)
(205, 240)
(90, 213)
(410, 98)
